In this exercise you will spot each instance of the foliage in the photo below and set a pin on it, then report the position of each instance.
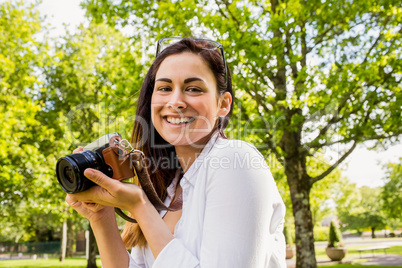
(321, 204)
(321, 233)
(363, 209)
(335, 236)
(90, 91)
(348, 199)
(92, 86)
(55, 95)
(26, 167)
(288, 237)
(392, 191)
(359, 208)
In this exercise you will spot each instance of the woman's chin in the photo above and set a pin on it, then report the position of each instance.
(187, 140)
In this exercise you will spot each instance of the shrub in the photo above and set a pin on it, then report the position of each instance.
(321, 233)
(335, 236)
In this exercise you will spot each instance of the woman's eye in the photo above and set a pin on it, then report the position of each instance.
(194, 89)
(164, 89)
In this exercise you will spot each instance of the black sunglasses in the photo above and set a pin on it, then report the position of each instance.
(209, 45)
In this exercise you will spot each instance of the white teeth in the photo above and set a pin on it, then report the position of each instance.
(178, 120)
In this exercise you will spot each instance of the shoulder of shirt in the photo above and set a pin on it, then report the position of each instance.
(228, 146)
(236, 157)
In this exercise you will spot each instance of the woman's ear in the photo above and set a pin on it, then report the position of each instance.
(225, 102)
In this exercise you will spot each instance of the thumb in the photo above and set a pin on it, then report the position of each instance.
(99, 178)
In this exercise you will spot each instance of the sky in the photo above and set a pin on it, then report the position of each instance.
(362, 167)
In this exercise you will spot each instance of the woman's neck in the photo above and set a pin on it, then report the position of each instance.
(188, 153)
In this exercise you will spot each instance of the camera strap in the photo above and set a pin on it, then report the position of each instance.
(148, 187)
(137, 158)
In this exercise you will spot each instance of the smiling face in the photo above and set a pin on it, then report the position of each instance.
(185, 103)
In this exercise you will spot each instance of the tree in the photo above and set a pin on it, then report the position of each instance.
(391, 191)
(313, 75)
(321, 198)
(92, 249)
(366, 212)
(88, 91)
(92, 85)
(26, 168)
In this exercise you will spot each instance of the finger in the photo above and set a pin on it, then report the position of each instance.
(100, 179)
(70, 200)
(79, 149)
(75, 204)
(92, 206)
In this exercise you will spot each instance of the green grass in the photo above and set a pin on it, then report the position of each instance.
(397, 250)
(50, 263)
(353, 253)
(82, 263)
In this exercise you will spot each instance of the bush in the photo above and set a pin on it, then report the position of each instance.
(321, 233)
(335, 236)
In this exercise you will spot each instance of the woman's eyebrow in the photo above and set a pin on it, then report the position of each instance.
(164, 80)
(192, 79)
(187, 80)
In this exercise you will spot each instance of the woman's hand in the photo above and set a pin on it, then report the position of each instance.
(91, 211)
(97, 202)
(109, 192)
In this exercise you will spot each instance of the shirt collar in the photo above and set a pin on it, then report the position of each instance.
(171, 190)
(188, 177)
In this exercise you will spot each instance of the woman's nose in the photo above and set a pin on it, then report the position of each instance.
(177, 101)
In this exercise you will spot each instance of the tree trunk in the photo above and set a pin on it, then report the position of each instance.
(64, 242)
(70, 238)
(92, 249)
(373, 232)
(300, 195)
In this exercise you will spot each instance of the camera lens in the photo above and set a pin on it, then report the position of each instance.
(70, 170)
(69, 174)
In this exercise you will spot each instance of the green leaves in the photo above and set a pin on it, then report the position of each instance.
(392, 191)
(26, 170)
(93, 84)
(360, 208)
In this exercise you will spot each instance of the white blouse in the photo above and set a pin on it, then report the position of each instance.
(232, 213)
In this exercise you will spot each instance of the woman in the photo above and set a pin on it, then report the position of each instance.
(232, 214)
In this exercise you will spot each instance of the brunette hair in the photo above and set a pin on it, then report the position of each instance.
(148, 139)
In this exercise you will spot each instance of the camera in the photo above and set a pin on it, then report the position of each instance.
(108, 154)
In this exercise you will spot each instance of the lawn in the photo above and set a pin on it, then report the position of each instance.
(82, 263)
(50, 263)
(353, 253)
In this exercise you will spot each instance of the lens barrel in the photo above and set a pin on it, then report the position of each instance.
(70, 170)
